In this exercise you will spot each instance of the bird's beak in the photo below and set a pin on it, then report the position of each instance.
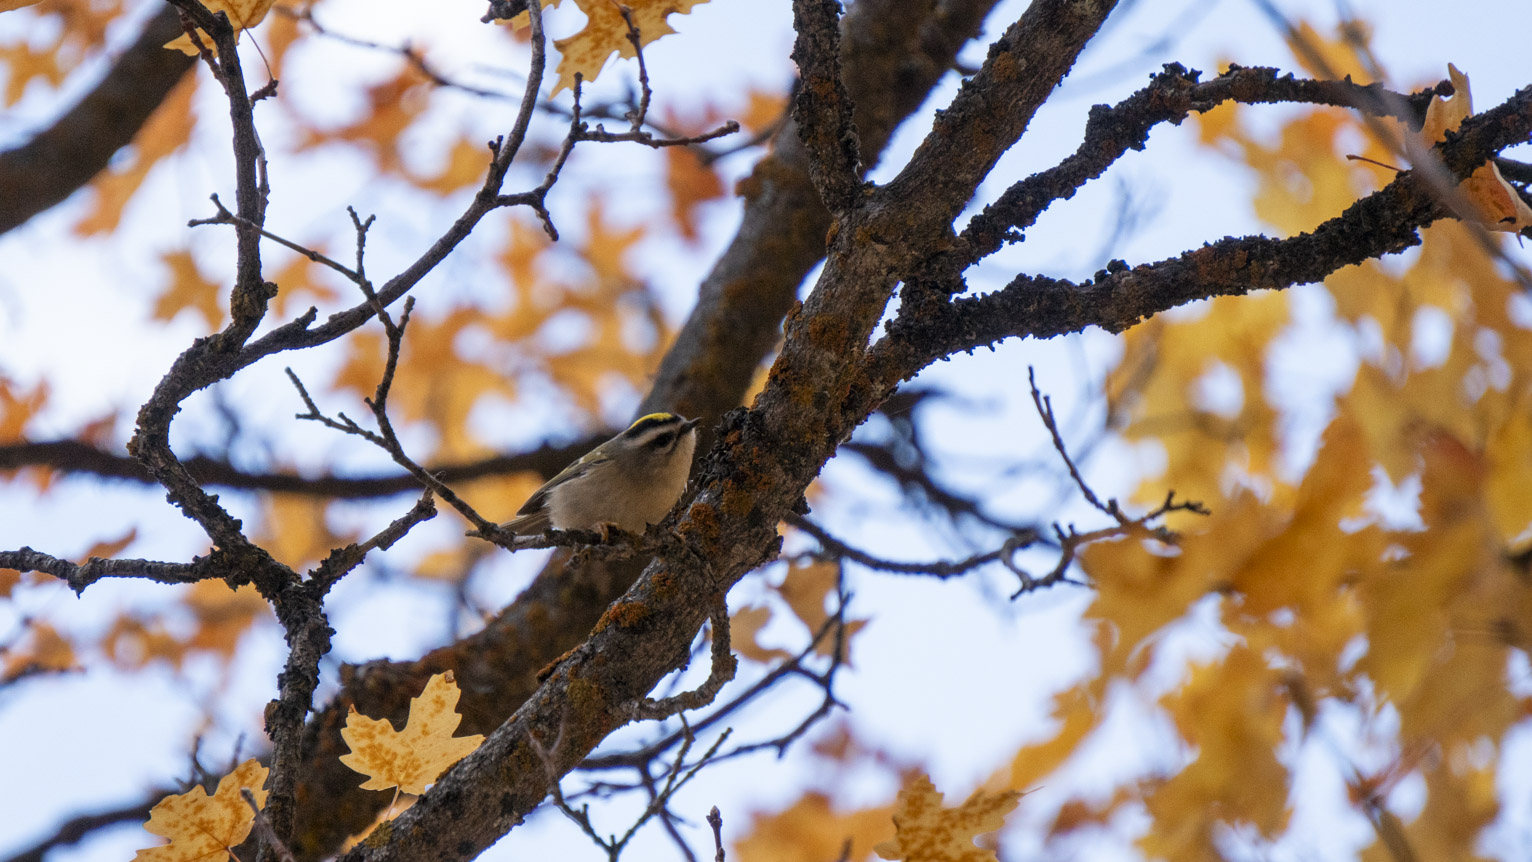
(689, 424)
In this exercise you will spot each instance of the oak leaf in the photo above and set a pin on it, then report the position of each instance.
(413, 757)
(243, 14)
(202, 827)
(924, 831)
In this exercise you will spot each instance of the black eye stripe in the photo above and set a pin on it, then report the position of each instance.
(662, 441)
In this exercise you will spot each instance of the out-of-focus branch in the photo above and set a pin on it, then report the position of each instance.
(76, 457)
(58, 160)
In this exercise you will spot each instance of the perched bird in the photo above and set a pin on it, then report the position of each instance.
(628, 482)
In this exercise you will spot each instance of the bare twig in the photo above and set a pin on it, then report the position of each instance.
(263, 827)
(940, 569)
(715, 820)
(79, 576)
(724, 666)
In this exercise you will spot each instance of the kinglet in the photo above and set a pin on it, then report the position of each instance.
(628, 482)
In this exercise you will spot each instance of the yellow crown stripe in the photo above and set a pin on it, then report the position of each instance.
(651, 421)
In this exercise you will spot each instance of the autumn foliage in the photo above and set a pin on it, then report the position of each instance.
(1308, 602)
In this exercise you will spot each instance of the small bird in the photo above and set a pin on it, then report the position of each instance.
(628, 482)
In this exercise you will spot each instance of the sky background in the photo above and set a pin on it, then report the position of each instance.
(951, 676)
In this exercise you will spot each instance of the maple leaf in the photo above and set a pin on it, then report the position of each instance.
(924, 831)
(1499, 206)
(411, 758)
(812, 831)
(243, 14)
(606, 33)
(805, 589)
(202, 827)
(46, 652)
(189, 288)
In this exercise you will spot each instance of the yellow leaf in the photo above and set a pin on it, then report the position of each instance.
(132, 644)
(1508, 485)
(745, 625)
(111, 547)
(17, 407)
(1078, 714)
(45, 651)
(924, 831)
(414, 757)
(1499, 206)
(188, 289)
(202, 827)
(811, 831)
(243, 14)
(223, 615)
(606, 33)
(1232, 711)
(466, 165)
(692, 184)
(805, 589)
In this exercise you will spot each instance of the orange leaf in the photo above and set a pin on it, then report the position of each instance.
(1498, 205)
(202, 827)
(605, 34)
(243, 14)
(691, 184)
(745, 625)
(189, 288)
(926, 832)
(805, 589)
(811, 831)
(46, 651)
(414, 757)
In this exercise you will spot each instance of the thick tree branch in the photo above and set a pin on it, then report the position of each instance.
(1385, 222)
(822, 109)
(1171, 96)
(754, 478)
(58, 160)
(893, 55)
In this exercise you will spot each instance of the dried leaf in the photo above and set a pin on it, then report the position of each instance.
(926, 832)
(606, 33)
(812, 831)
(1498, 205)
(412, 758)
(243, 14)
(188, 289)
(202, 827)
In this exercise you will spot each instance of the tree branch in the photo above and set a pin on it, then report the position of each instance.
(58, 160)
